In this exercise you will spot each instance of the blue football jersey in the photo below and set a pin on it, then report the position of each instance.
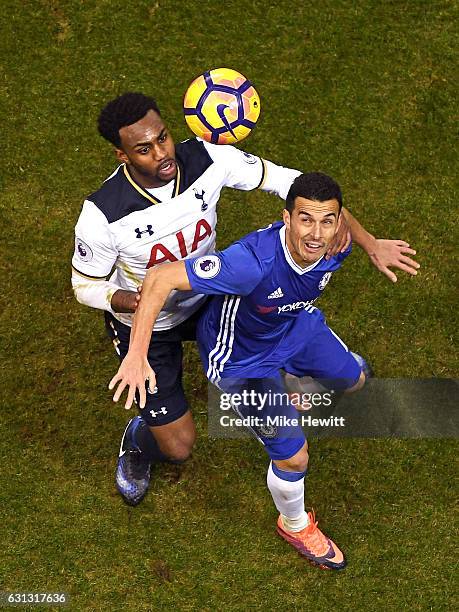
(263, 300)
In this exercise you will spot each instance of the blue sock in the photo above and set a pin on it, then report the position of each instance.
(290, 476)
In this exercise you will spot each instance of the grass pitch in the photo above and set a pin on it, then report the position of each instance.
(361, 90)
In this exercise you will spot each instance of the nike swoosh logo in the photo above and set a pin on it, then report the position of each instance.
(221, 113)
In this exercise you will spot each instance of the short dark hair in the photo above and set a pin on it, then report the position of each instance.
(124, 110)
(313, 186)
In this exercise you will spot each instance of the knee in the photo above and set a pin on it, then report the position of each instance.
(297, 463)
(176, 439)
(179, 459)
(179, 454)
(178, 450)
(358, 385)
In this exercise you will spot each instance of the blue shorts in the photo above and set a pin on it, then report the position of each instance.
(273, 420)
(324, 357)
(320, 354)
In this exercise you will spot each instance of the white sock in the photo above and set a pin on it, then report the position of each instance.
(288, 498)
(295, 524)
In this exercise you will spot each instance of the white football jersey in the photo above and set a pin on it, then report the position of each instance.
(124, 229)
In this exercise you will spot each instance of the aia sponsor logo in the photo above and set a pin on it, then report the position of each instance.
(160, 253)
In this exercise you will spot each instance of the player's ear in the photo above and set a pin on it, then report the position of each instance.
(339, 219)
(286, 218)
(121, 156)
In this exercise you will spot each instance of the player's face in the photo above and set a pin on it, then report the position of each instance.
(310, 229)
(149, 151)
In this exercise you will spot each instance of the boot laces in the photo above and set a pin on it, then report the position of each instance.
(315, 540)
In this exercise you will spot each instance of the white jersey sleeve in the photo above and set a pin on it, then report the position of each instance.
(93, 259)
(242, 170)
(277, 179)
(246, 171)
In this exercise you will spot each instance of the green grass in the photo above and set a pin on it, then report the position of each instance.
(362, 90)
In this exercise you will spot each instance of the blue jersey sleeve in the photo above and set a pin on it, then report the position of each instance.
(236, 270)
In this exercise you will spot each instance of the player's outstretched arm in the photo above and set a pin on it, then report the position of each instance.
(383, 253)
(135, 369)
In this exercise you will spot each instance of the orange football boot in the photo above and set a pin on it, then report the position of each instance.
(311, 543)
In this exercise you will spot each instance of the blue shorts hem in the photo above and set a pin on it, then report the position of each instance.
(292, 446)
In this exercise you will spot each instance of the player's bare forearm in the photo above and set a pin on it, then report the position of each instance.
(135, 369)
(154, 293)
(359, 234)
(156, 287)
(349, 229)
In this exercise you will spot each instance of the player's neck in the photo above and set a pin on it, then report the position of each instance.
(293, 254)
(299, 262)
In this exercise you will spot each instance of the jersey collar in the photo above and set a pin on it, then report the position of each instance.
(291, 262)
(144, 192)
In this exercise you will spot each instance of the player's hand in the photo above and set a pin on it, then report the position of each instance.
(393, 253)
(137, 297)
(341, 240)
(133, 372)
(126, 301)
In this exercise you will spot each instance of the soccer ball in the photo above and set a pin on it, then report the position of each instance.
(221, 106)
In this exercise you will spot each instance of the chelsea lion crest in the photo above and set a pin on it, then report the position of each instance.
(324, 280)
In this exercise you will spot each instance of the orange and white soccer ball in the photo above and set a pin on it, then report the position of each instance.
(221, 106)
